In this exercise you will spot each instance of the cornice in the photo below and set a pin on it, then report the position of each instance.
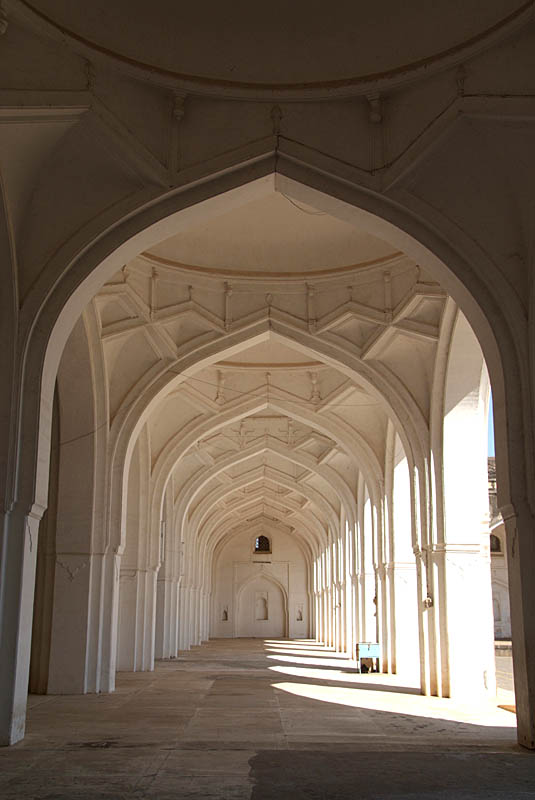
(269, 276)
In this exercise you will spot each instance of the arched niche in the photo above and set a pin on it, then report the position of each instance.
(262, 608)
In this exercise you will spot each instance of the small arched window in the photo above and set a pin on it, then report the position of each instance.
(495, 544)
(262, 545)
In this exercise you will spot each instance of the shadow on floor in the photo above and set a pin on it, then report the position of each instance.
(370, 684)
(317, 775)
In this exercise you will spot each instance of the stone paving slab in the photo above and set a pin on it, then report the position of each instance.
(243, 719)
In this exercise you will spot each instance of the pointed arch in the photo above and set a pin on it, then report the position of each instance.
(77, 269)
(267, 576)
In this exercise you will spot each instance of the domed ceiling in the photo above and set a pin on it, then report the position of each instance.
(279, 45)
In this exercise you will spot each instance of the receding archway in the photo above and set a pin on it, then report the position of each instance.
(38, 480)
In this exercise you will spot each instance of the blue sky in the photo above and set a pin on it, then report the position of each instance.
(491, 429)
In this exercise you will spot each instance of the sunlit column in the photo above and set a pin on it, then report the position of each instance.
(459, 554)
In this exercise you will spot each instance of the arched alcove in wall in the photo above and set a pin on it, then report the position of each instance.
(102, 260)
(261, 607)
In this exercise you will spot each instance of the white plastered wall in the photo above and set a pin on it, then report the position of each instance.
(240, 573)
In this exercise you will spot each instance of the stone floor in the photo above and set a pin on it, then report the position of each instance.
(278, 719)
(504, 673)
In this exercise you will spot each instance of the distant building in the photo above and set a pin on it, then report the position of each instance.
(498, 555)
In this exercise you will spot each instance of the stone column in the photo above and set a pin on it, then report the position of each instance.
(355, 611)
(317, 619)
(401, 568)
(109, 577)
(84, 624)
(367, 577)
(458, 557)
(69, 636)
(182, 612)
(207, 598)
(520, 527)
(18, 557)
(165, 642)
(137, 619)
(185, 617)
(326, 616)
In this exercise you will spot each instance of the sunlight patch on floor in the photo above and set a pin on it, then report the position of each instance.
(484, 713)
(316, 667)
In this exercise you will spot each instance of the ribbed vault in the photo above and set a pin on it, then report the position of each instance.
(249, 387)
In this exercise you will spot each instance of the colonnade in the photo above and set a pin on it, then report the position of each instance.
(405, 562)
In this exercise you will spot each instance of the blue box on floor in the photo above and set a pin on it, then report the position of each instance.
(368, 650)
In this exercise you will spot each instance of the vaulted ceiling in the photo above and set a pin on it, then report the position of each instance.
(264, 398)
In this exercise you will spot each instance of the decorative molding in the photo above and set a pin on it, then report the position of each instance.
(72, 572)
(375, 111)
(179, 100)
(390, 260)
(228, 311)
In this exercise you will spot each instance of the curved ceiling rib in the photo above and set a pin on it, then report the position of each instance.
(339, 435)
(311, 519)
(205, 510)
(144, 398)
(308, 528)
(197, 483)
